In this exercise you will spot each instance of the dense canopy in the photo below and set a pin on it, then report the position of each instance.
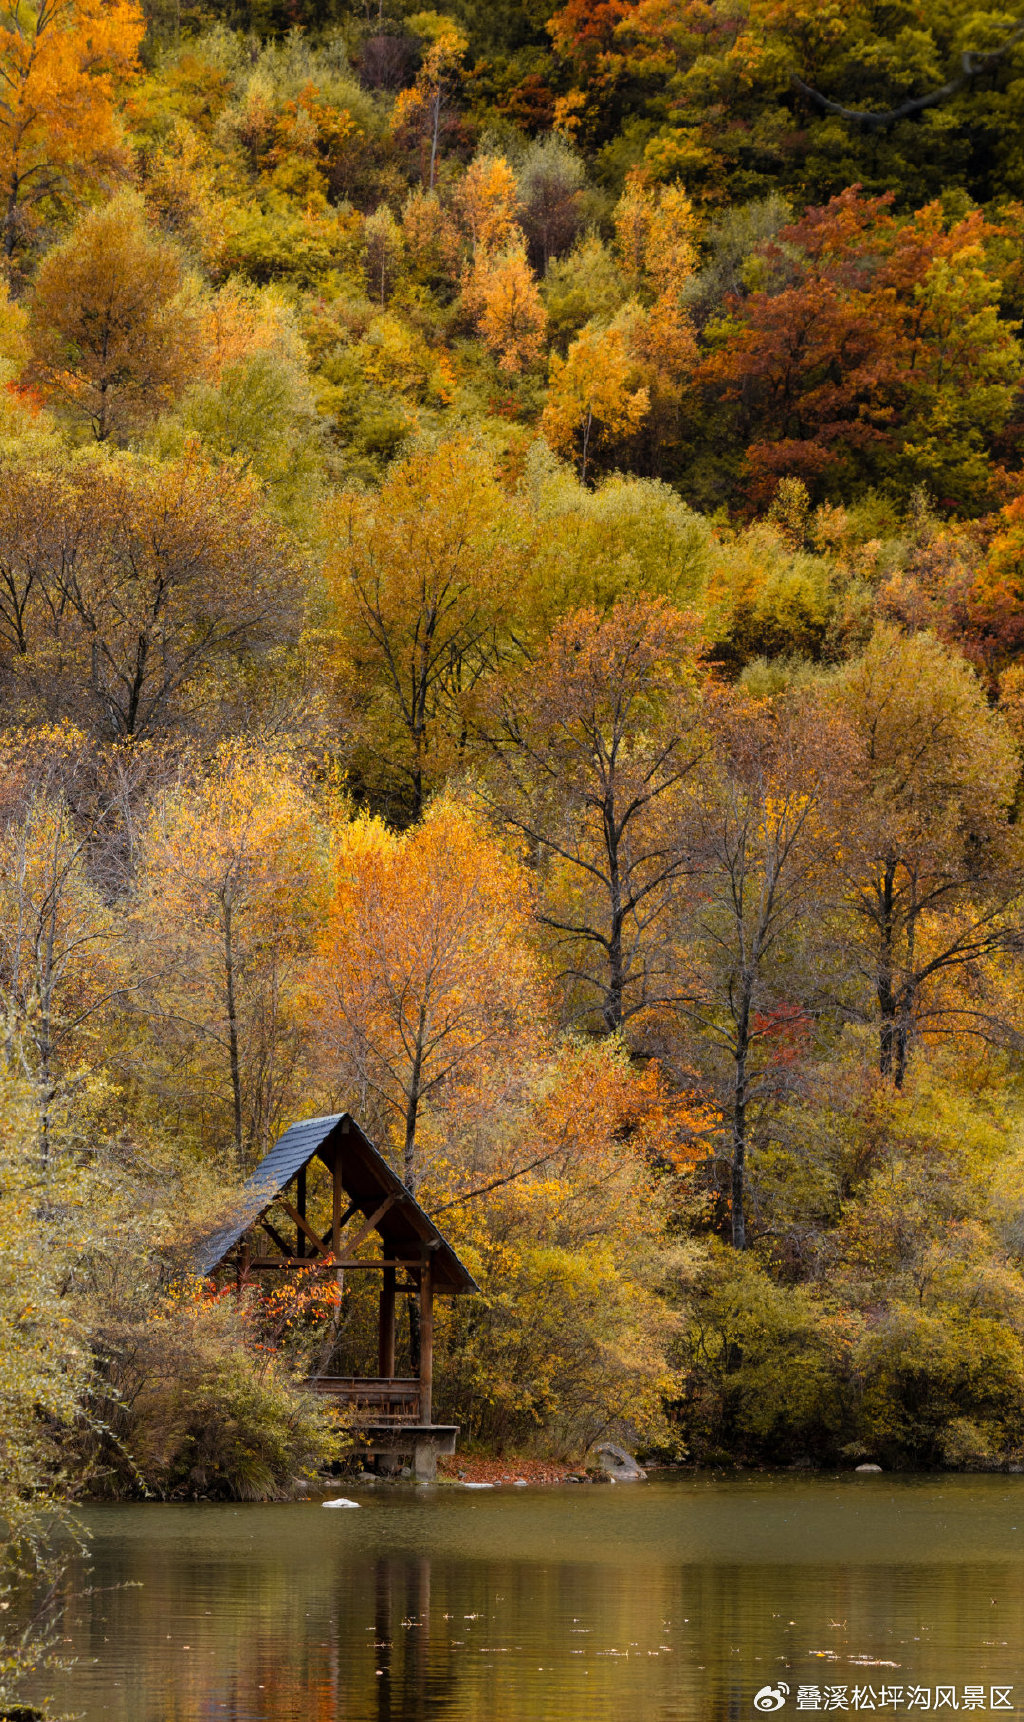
(512, 627)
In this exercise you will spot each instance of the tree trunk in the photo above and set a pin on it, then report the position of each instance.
(889, 1057)
(236, 1075)
(586, 444)
(410, 1180)
(11, 218)
(435, 132)
(616, 978)
(739, 1126)
(409, 1168)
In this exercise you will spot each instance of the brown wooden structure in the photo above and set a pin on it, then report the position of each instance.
(274, 1233)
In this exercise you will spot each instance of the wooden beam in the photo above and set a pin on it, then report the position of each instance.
(337, 1192)
(386, 1328)
(353, 1244)
(271, 1232)
(300, 1209)
(336, 1195)
(426, 1342)
(293, 1214)
(327, 1264)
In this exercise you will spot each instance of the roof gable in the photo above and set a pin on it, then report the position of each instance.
(405, 1229)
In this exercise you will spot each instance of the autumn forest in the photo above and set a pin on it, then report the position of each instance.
(512, 625)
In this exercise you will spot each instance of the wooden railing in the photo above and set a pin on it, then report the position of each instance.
(391, 1400)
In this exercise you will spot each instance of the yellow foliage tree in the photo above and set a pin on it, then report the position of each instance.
(654, 233)
(929, 844)
(591, 396)
(655, 243)
(59, 64)
(229, 900)
(124, 585)
(592, 744)
(64, 960)
(178, 180)
(420, 574)
(565, 1231)
(43, 1385)
(422, 108)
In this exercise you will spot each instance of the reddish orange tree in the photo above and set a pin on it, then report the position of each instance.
(873, 352)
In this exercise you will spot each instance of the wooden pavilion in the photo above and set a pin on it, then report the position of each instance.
(274, 1232)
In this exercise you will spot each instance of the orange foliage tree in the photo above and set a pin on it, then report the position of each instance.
(124, 586)
(502, 293)
(499, 288)
(59, 66)
(426, 970)
(113, 332)
(993, 618)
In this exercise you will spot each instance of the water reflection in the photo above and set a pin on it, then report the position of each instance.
(653, 1605)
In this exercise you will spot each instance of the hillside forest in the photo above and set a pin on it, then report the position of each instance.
(512, 624)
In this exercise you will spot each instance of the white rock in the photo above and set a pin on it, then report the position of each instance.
(874, 1468)
(340, 1502)
(478, 1485)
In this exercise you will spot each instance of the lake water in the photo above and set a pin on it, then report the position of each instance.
(640, 1603)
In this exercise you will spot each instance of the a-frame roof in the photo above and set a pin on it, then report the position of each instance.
(405, 1229)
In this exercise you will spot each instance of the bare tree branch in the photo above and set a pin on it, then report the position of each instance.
(972, 65)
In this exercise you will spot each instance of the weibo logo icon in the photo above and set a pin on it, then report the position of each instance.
(771, 1697)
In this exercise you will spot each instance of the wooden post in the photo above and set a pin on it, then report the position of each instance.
(336, 1204)
(386, 1341)
(336, 1195)
(426, 1342)
(300, 1208)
